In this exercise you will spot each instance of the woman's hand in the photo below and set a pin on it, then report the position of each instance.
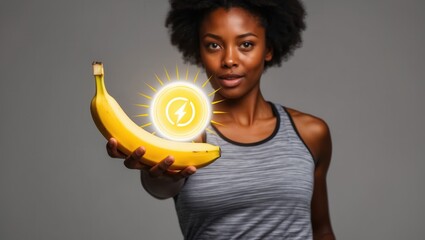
(133, 161)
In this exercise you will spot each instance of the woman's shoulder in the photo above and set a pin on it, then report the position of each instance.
(313, 130)
(308, 122)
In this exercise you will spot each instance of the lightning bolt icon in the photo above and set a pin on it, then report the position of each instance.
(180, 113)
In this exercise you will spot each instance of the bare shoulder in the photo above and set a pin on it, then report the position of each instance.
(314, 131)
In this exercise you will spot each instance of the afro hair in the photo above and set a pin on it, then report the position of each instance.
(283, 21)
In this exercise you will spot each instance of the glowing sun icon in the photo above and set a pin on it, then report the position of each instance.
(179, 110)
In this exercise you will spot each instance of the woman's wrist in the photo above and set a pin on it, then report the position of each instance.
(161, 187)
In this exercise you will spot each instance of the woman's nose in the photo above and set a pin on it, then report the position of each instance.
(229, 58)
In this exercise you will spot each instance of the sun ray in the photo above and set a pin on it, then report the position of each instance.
(196, 76)
(159, 80)
(187, 73)
(177, 73)
(168, 75)
(218, 101)
(146, 125)
(153, 89)
(143, 115)
(210, 131)
(142, 105)
(218, 89)
(205, 83)
(216, 123)
(146, 96)
(218, 112)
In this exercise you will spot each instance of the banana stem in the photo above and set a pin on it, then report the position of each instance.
(100, 85)
(98, 73)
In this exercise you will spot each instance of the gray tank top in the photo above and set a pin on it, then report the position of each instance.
(259, 190)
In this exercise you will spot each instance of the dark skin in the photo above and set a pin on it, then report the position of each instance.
(233, 51)
(315, 134)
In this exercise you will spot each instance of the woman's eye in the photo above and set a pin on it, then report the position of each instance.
(213, 45)
(246, 45)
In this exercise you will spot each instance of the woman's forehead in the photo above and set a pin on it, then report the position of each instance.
(235, 18)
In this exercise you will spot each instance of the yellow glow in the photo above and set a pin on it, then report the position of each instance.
(196, 76)
(216, 123)
(152, 88)
(205, 83)
(218, 112)
(159, 80)
(212, 93)
(166, 73)
(142, 105)
(146, 96)
(218, 101)
(146, 125)
(210, 131)
(187, 74)
(180, 110)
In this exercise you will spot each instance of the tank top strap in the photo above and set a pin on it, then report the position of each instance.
(288, 124)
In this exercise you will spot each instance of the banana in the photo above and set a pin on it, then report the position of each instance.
(112, 121)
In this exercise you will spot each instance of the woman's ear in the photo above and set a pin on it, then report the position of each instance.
(269, 54)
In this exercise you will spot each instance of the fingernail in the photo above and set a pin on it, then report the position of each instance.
(139, 152)
(168, 161)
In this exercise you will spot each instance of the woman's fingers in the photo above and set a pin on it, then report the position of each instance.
(187, 171)
(112, 149)
(177, 175)
(133, 161)
(161, 167)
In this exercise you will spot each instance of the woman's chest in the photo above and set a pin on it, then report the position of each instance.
(243, 177)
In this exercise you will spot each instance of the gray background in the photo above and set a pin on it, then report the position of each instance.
(361, 69)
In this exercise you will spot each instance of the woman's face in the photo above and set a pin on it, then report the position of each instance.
(233, 51)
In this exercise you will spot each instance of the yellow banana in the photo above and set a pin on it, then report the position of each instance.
(112, 121)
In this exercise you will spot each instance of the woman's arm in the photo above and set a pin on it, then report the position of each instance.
(315, 133)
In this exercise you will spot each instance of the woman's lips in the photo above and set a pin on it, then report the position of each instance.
(230, 80)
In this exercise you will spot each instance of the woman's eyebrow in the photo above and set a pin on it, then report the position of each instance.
(247, 35)
(219, 38)
(211, 36)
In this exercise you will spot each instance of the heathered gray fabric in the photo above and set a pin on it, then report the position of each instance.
(254, 191)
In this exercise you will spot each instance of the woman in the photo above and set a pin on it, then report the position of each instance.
(270, 182)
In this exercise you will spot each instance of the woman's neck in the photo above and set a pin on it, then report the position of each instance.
(243, 111)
